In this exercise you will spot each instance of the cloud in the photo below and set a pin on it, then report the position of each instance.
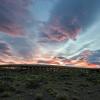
(95, 57)
(15, 16)
(69, 18)
(21, 46)
(5, 49)
(9, 55)
(5, 52)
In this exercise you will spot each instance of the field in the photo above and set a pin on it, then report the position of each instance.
(69, 84)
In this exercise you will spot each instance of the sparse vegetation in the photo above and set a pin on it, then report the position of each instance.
(60, 85)
(51, 91)
(38, 96)
(61, 97)
(6, 94)
(31, 83)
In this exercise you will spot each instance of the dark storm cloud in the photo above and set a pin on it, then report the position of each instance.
(69, 17)
(14, 16)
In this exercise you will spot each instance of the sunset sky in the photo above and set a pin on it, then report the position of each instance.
(33, 30)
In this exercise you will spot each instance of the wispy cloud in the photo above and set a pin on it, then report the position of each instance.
(15, 16)
(69, 18)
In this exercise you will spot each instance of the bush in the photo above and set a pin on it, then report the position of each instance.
(32, 84)
(6, 87)
(61, 97)
(51, 91)
(39, 96)
(6, 94)
(75, 98)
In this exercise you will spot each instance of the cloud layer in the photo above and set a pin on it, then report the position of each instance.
(70, 17)
(30, 29)
(14, 16)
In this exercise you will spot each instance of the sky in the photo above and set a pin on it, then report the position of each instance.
(32, 30)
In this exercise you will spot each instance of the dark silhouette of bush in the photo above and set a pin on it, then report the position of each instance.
(6, 94)
(6, 87)
(61, 97)
(38, 96)
(51, 91)
(75, 98)
(32, 84)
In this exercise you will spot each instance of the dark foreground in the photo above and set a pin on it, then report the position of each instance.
(69, 84)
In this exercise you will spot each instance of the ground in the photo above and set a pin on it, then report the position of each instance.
(69, 84)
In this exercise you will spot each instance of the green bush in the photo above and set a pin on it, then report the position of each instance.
(38, 96)
(75, 98)
(61, 97)
(6, 87)
(32, 84)
(51, 91)
(6, 94)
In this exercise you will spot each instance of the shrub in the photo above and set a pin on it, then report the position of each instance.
(39, 96)
(51, 91)
(61, 97)
(32, 84)
(2, 86)
(75, 98)
(6, 94)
